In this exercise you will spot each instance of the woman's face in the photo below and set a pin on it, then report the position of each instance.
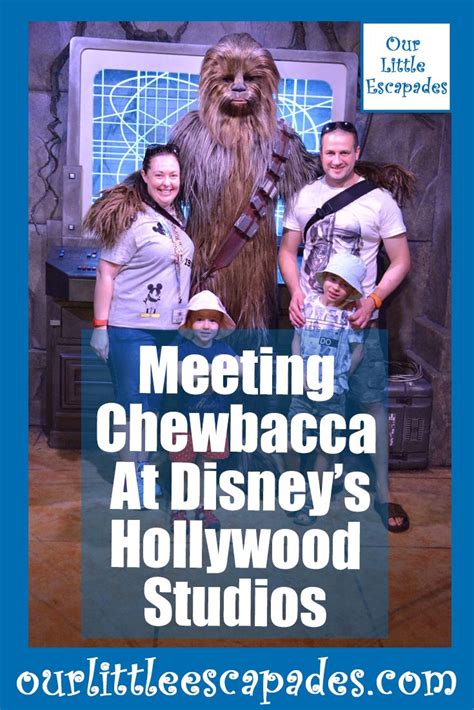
(162, 179)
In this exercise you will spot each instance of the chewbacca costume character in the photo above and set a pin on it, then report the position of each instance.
(225, 151)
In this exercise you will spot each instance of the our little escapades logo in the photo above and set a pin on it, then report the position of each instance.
(406, 67)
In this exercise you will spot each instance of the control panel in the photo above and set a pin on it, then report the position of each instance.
(70, 273)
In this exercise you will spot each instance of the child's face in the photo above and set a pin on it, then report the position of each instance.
(205, 325)
(336, 290)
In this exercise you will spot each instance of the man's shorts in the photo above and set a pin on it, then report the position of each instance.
(368, 384)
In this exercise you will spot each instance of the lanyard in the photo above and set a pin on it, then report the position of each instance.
(148, 200)
(178, 256)
(178, 249)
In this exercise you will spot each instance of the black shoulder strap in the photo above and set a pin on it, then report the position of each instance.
(161, 210)
(339, 201)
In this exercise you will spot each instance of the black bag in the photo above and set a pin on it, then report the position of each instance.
(339, 201)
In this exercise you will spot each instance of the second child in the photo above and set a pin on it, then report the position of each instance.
(205, 325)
(328, 331)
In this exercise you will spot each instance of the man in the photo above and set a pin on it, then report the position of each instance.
(359, 228)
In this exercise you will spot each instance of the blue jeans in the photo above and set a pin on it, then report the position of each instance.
(124, 364)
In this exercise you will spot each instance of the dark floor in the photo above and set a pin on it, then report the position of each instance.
(419, 560)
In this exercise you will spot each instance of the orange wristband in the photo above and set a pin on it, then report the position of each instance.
(376, 299)
(96, 323)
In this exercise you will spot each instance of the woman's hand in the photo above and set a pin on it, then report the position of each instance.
(104, 289)
(100, 343)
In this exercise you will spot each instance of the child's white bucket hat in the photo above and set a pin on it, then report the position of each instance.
(208, 301)
(349, 267)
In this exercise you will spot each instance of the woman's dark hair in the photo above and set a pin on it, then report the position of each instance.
(159, 149)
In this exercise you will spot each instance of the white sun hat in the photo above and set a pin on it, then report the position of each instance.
(208, 301)
(349, 267)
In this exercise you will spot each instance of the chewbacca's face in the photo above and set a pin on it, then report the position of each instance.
(239, 83)
(238, 79)
(239, 92)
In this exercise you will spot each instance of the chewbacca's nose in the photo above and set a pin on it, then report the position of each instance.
(239, 84)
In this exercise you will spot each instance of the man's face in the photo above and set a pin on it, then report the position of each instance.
(338, 158)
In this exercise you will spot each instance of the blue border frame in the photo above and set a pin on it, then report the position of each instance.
(16, 656)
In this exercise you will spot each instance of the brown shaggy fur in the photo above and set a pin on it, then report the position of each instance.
(400, 182)
(224, 152)
(114, 212)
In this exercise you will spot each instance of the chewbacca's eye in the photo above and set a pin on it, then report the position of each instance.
(248, 77)
(228, 79)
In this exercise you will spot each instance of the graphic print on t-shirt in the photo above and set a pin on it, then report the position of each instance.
(323, 328)
(327, 331)
(324, 239)
(152, 297)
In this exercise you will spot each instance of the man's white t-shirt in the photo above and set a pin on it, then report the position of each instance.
(357, 228)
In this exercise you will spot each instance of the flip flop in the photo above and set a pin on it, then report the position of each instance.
(392, 510)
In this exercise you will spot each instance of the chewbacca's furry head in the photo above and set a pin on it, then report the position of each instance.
(238, 82)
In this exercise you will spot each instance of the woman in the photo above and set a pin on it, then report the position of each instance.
(144, 271)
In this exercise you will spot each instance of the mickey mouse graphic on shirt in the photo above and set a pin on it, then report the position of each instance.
(160, 229)
(152, 297)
